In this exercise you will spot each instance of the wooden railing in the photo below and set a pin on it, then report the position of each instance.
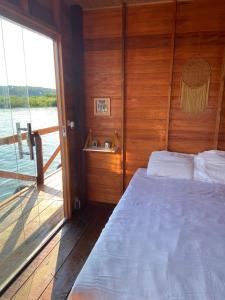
(14, 138)
(37, 142)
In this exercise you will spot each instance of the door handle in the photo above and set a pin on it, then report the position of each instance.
(71, 124)
(30, 140)
(19, 138)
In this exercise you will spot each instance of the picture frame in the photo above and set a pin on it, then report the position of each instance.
(102, 106)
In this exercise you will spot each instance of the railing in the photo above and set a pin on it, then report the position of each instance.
(35, 140)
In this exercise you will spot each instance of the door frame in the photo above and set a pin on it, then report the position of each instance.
(62, 115)
(17, 15)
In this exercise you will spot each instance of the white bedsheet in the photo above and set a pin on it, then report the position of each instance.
(164, 240)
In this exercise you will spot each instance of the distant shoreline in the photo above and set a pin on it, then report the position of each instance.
(33, 101)
(22, 96)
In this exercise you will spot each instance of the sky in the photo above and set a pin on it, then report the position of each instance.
(26, 57)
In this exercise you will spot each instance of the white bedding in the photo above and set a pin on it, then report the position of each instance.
(171, 164)
(164, 240)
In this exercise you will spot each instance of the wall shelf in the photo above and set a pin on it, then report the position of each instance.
(101, 149)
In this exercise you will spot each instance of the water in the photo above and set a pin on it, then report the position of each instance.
(9, 155)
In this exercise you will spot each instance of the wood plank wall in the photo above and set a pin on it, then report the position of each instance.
(73, 83)
(221, 141)
(42, 9)
(199, 32)
(148, 53)
(149, 118)
(102, 35)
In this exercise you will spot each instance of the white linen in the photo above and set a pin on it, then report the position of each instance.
(164, 241)
(171, 164)
(210, 166)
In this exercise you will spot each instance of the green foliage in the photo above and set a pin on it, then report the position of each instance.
(21, 91)
(43, 101)
(17, 96)
(33, 101)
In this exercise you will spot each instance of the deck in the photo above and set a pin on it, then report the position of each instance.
(52, 273)
(26, 221)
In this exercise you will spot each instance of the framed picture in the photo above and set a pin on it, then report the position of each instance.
(102, 107)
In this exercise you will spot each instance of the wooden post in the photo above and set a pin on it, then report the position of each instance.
(173, 40)
(123, 94)
(220, 103)
(39, 158)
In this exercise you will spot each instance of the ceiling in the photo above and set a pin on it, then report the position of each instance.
(92, 4)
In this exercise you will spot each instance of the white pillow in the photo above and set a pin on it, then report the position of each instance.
(210, 166)
(171, 164)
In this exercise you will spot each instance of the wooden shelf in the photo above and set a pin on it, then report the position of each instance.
(90, 146)
(101, 149)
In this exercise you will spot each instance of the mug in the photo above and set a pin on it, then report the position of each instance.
(107, 145)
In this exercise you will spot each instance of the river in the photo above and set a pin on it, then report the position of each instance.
(9, 155)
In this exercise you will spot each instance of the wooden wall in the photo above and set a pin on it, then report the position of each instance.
(102, 36)
(148, 55)
(221, 140)
(160, 37)
(200, 31)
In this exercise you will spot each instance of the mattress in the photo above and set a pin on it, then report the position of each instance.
(164, 240)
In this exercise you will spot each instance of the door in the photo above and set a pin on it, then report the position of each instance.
(15, 156)
(31, 206)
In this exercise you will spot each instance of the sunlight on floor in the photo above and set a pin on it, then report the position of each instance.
(26, 221)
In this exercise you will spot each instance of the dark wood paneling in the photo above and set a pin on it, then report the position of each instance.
(221, 140)
(153, 19)
(73, 62)
(41, 15)
(148, 55)
(104, 23)
(200, 16)
(195, 37)
(42, 10)
(15, 2)
(102, 39)
(159, 39)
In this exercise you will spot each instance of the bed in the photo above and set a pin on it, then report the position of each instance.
(164, 240)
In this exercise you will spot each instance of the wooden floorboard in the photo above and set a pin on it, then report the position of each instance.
(26, 221)
(18, 283)
(63, 280)
(53, 271)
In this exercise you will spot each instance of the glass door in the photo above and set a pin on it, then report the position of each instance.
(15, 156)
(8, 159)
(31, 205)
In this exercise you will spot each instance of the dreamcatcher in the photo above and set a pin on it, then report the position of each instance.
(195, 82)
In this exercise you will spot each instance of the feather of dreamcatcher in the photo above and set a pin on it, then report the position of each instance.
(195, 85)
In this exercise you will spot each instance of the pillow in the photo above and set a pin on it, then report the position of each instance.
(210, 166)
(212, 155)
(171, 164)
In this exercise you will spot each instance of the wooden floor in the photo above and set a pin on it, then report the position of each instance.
(26, 221)
(52, 273)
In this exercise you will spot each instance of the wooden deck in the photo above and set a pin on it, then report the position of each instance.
(26, 221)
(52, 273)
